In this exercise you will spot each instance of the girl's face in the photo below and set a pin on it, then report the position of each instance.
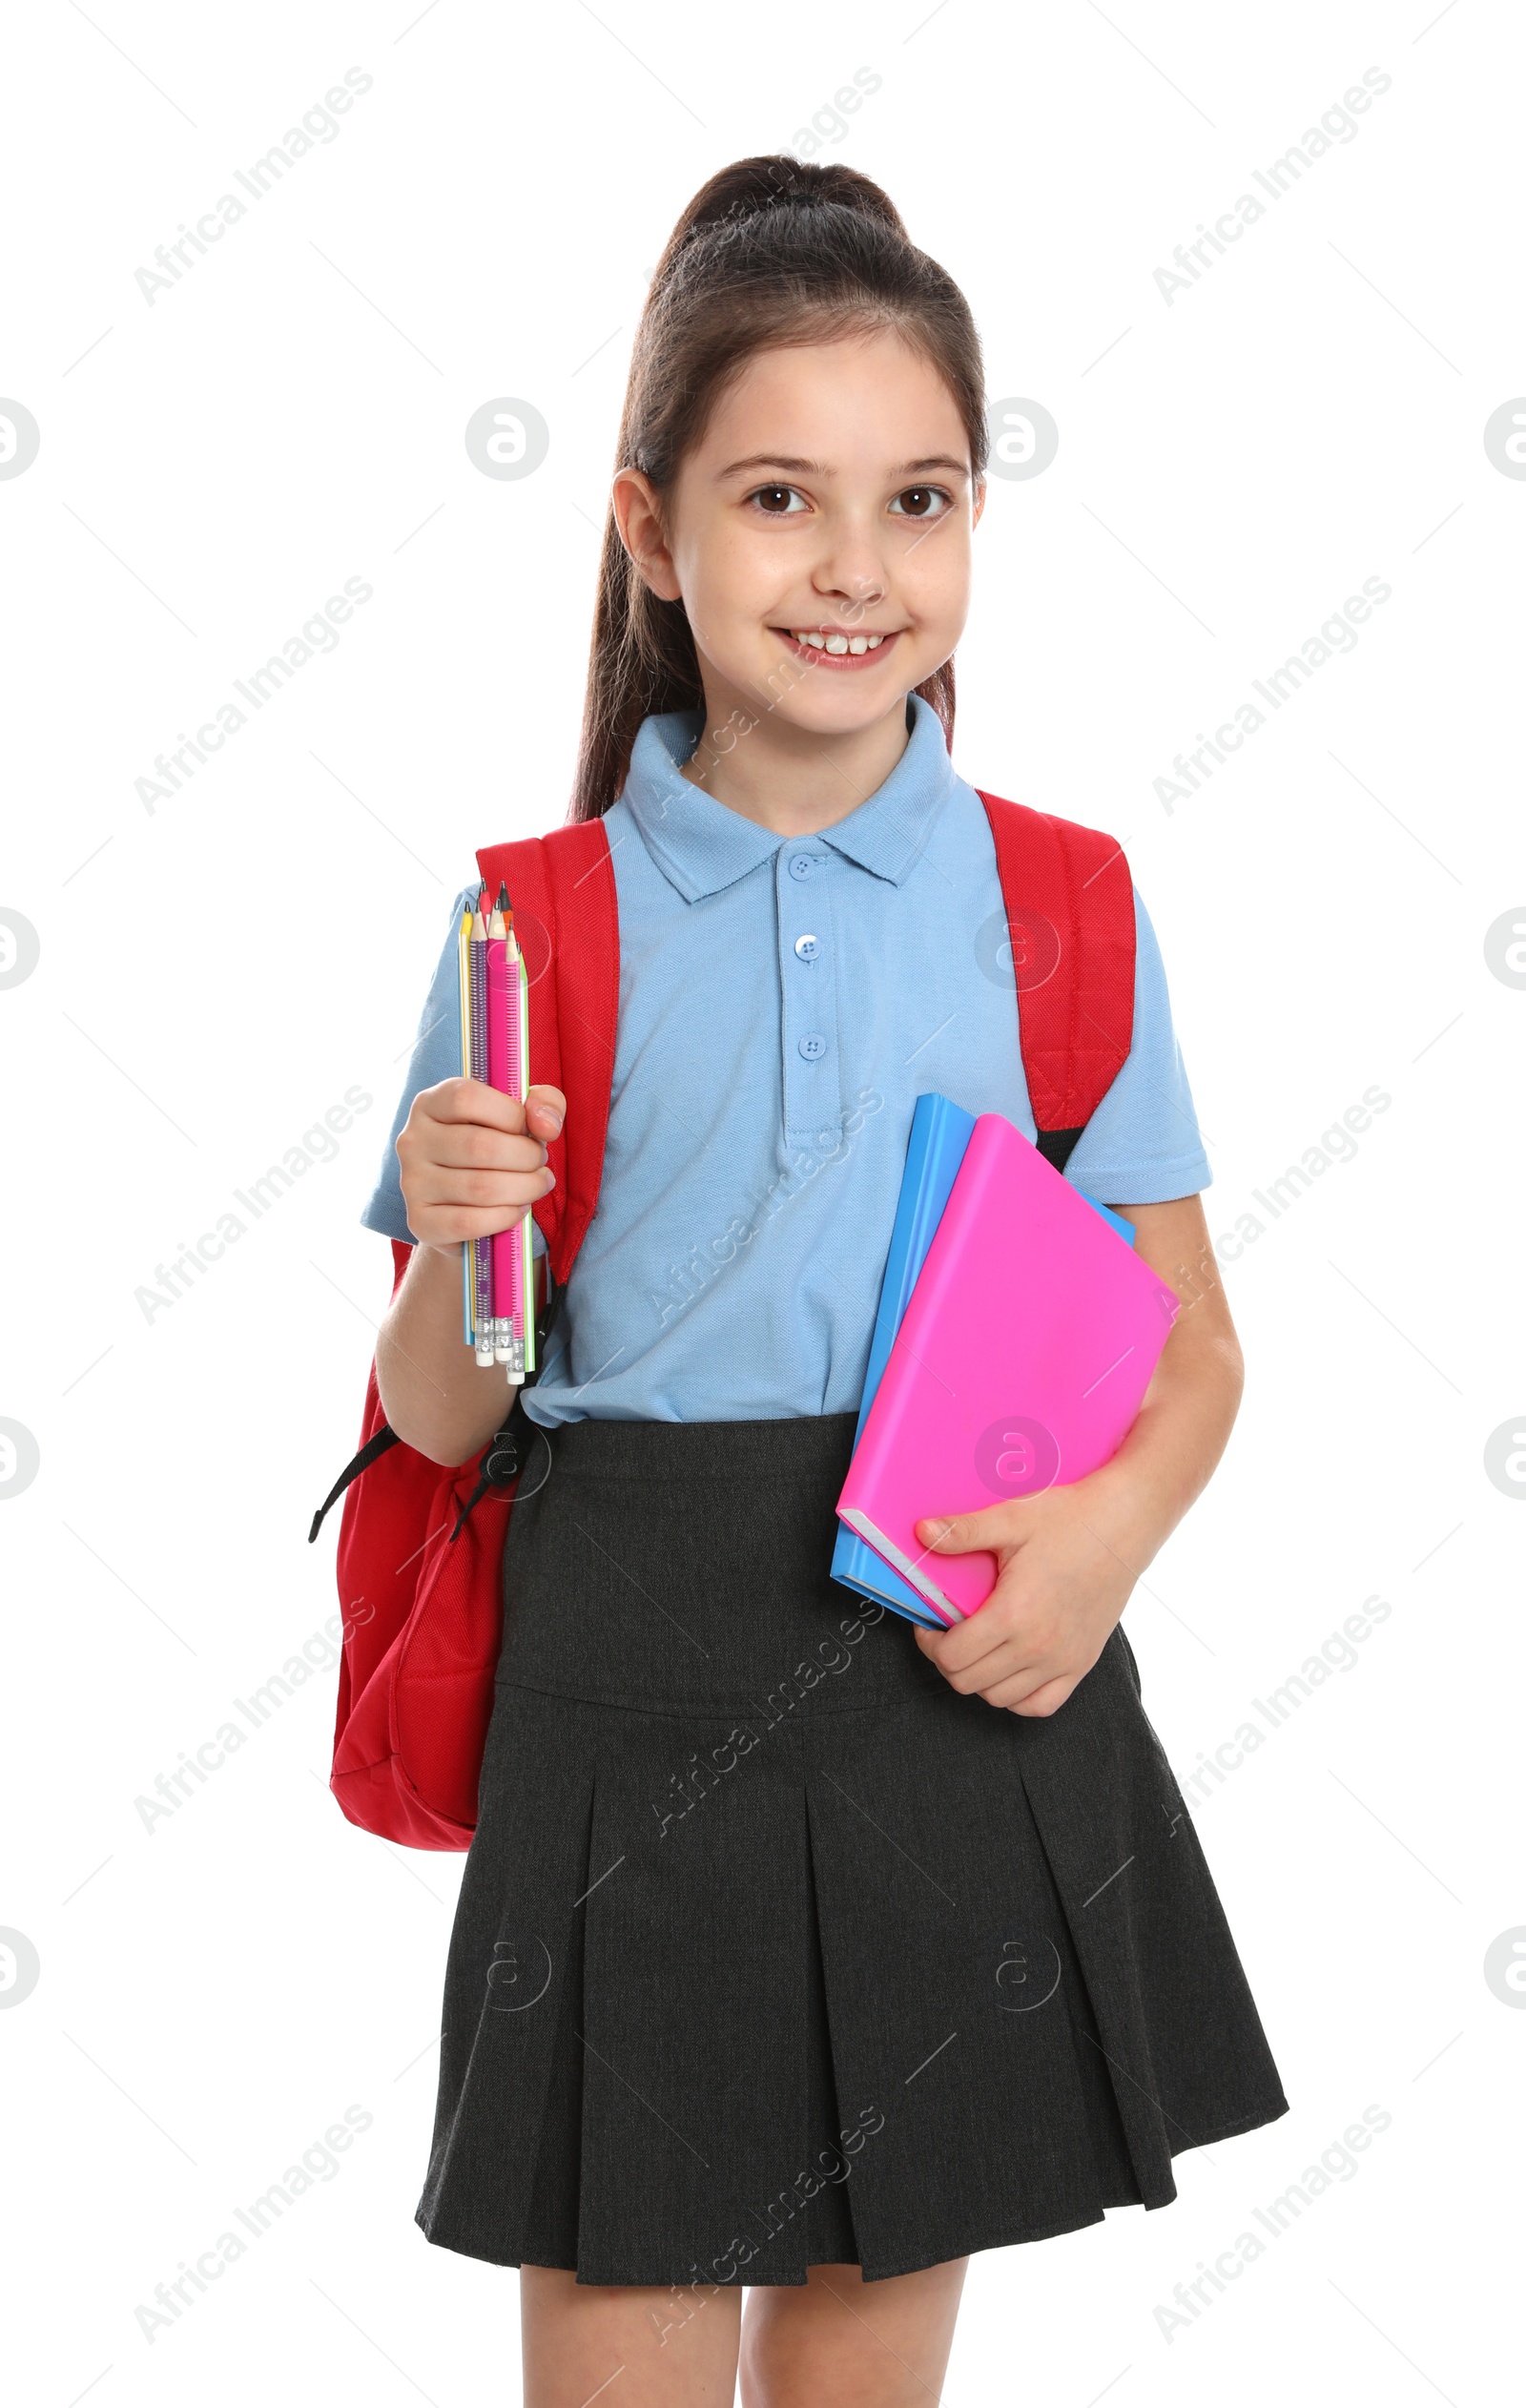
(818, 535)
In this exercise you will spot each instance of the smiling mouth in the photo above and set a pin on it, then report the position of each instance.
(837, 647)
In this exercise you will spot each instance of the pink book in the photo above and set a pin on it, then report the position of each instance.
(1020, 1364)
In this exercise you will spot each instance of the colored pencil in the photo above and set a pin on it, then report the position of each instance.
(482, 1247)
(468, 1260)
(526, 1227)
(500, 1072)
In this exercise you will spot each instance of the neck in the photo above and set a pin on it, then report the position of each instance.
(791, 780)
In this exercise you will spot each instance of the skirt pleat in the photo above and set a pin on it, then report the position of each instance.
(772, 1950)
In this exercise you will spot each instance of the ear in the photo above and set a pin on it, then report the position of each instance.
(638, 516)
(980, 489)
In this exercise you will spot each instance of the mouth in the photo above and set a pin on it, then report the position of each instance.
(838, 648)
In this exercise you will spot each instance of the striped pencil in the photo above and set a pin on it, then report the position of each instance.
(503, 1070)
(468, 1251)
(526, 1227)
(482, 1247)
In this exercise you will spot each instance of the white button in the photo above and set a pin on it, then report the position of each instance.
(807, 948)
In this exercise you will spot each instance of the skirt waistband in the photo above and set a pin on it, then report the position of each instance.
(685, 1568)
(702, 1450)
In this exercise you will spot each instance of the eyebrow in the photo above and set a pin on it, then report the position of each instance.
(815, 468)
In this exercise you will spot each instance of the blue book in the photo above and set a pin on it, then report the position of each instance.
(940, 1132)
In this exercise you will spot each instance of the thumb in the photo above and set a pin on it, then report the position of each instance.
(961, 1533)
(545, 1111)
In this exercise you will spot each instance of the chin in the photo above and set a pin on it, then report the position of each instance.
(843, 711)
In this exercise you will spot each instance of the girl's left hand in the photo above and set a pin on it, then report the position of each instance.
(1059, 1590)
(1067, 1559)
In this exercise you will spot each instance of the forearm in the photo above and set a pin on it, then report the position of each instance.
(1169, 1457)
(436, 1394)
(1135, 1501)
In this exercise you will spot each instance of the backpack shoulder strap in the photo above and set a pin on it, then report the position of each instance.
(563, 890)
(566, 917)
(1069, 901)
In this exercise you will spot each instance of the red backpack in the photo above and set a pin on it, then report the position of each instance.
(420, 1547)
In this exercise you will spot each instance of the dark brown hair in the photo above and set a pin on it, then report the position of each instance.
(769, 251)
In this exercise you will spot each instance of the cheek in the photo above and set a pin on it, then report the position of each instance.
(933, 577)
(730, 575)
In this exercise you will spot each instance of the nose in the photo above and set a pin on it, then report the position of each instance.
(851, 569)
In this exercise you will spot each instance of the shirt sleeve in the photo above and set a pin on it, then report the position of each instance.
(1142, 1144)
(436, 1056)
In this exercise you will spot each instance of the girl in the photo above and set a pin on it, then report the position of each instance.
(799, 1948)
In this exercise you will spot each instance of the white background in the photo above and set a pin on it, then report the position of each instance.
(216, 972)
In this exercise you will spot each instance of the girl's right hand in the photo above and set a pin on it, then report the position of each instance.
(473, 1161)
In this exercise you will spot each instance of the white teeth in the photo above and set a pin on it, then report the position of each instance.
(856, 644)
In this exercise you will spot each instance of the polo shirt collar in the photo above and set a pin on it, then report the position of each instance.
(701, 847)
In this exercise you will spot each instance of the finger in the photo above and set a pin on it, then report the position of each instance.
(1007, 1682)
(546, 1108)
(473, 1100)
(442, 1225)
(1000, 1663)
(971, 1659)
(962, 1533)
(995, 1626)
(509, 1193)
(1047, 1699)
(465, 1145)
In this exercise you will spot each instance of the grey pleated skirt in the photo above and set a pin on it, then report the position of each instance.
(771, 1949)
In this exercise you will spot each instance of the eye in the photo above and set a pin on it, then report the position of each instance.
(776, 500)
(924, 501)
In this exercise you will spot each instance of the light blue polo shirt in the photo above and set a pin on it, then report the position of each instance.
(783, 1002)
